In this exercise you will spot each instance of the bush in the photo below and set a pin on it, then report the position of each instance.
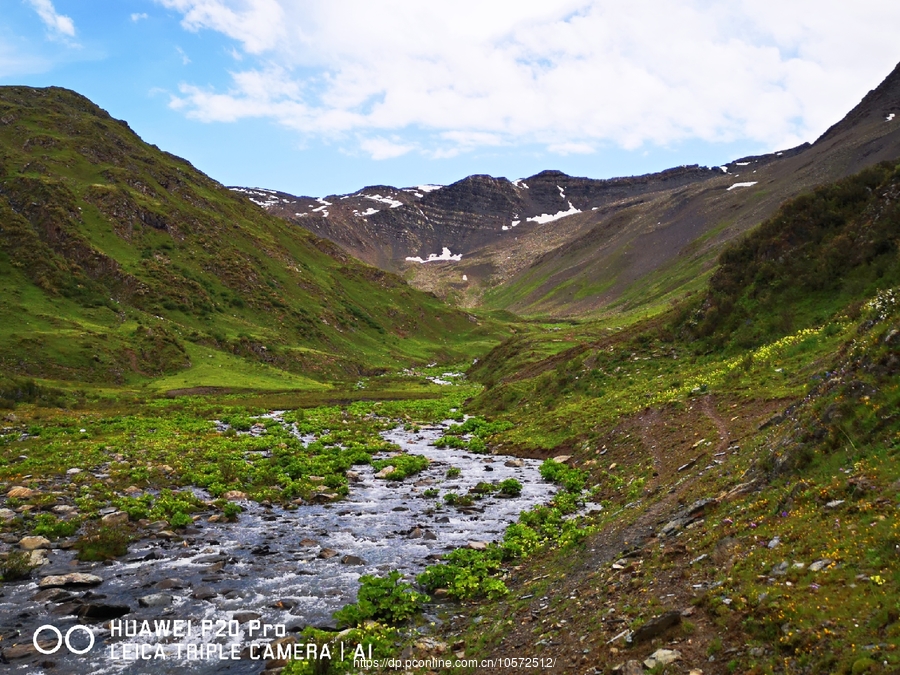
(103, 542)
(382, 599)
(17, 565)
(510, 487)
(51, 527)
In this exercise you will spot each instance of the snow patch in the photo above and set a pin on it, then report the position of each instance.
(465, 278)
(323, 202)
(724, 169)
(393, 203)
(428, 187)
(445, 255)
(514, 223)
(549, 217)
(747, 184)
(504, 228)
(518, 182)
(562, 193)
(742, 163)
(365, 214)
(889, 117)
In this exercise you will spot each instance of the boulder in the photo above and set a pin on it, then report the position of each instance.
(156, 600)
(386, 471)
(20, 492)
(32, 543)
(116, 518)
(662, 657)
(656, 627)
(71, 579)
(352, 560)
(235, 495)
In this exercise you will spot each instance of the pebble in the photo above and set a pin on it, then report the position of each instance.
(819, 565)
(72, 579)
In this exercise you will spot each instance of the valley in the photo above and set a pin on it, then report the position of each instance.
(670, 400)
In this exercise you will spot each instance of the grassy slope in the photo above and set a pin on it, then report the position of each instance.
(116, 257)
(774, 394)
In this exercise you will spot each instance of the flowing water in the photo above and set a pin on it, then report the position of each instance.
(274, 571)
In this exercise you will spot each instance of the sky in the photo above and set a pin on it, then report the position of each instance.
(321, 97)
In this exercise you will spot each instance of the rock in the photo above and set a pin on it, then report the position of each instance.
(117, 518)
(632, 667)
(662, 657)
(656, 627)
(64, 509)
(562, 459)
(819, 565)
(52, 595)
(244, 617)
(307, 542)
(71, 579)
(327, 553)
(322, 498)
(32, 543)
(386, 471)
(7, 514)
(352, 560)
(416, 533)
(204, 593)
(74, 471)
(429, 535)
(235, 495)
(513, 463)
(37, 557)
(316, 479)
(780, 569)
(168, 584)
(353, 476)
(166, 534)
(478, 545)
(156, 600)
(834, 503)
(27, 649)
(132, 490)
(101, 612)
(19, 492)
(774, 542)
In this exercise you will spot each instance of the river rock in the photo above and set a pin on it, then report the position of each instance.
(656, 627)
(74, 471)
(353, 476)
(71, 579)
(514, 463)
(352, 560)
(386, 471)
(478, 545)
(327, 553)
(102, 612)
(307, 542)
(32, 543)
(168, 584)
(235, 495)
(156, 600)
(20, 492)
(7, 514)
(116, 518)
(244, 617)
(662, 657)
(132, 490)
(204, 593)
(63, 509)
(37, 557)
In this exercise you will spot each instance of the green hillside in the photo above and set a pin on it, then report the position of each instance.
(122, 264)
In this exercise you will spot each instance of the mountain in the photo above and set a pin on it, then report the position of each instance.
(556, 245)
(122, 263)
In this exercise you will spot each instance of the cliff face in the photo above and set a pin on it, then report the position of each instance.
(385, 225)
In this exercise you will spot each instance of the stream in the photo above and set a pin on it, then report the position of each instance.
(272, 573)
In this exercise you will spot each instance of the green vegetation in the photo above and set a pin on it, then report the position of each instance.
(385, 599)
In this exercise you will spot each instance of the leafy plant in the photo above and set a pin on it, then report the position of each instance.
(382, 599)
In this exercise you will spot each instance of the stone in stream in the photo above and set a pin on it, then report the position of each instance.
(386, 471)
(307, 542)
(204, 593)
(235, 495)
(102, 612)
(327, 553)
(72, 579)
(32, 543)
(244, 617)
(7, 514)
(478, 545)
(168, 584)
(52, 595)
(156, 600)
(352, 560)
(513, 463)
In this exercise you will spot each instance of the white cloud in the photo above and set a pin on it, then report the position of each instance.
(185, 59)
(384, 148)
(58, 24)
(569, 75)
(137, 16)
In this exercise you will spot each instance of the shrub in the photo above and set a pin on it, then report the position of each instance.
(103, 542)
(17, 565)
(382, 599)
(510, 487)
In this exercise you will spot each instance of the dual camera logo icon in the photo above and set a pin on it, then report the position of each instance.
(63, 640)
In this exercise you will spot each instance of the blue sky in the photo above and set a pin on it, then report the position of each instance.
(321, 98)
